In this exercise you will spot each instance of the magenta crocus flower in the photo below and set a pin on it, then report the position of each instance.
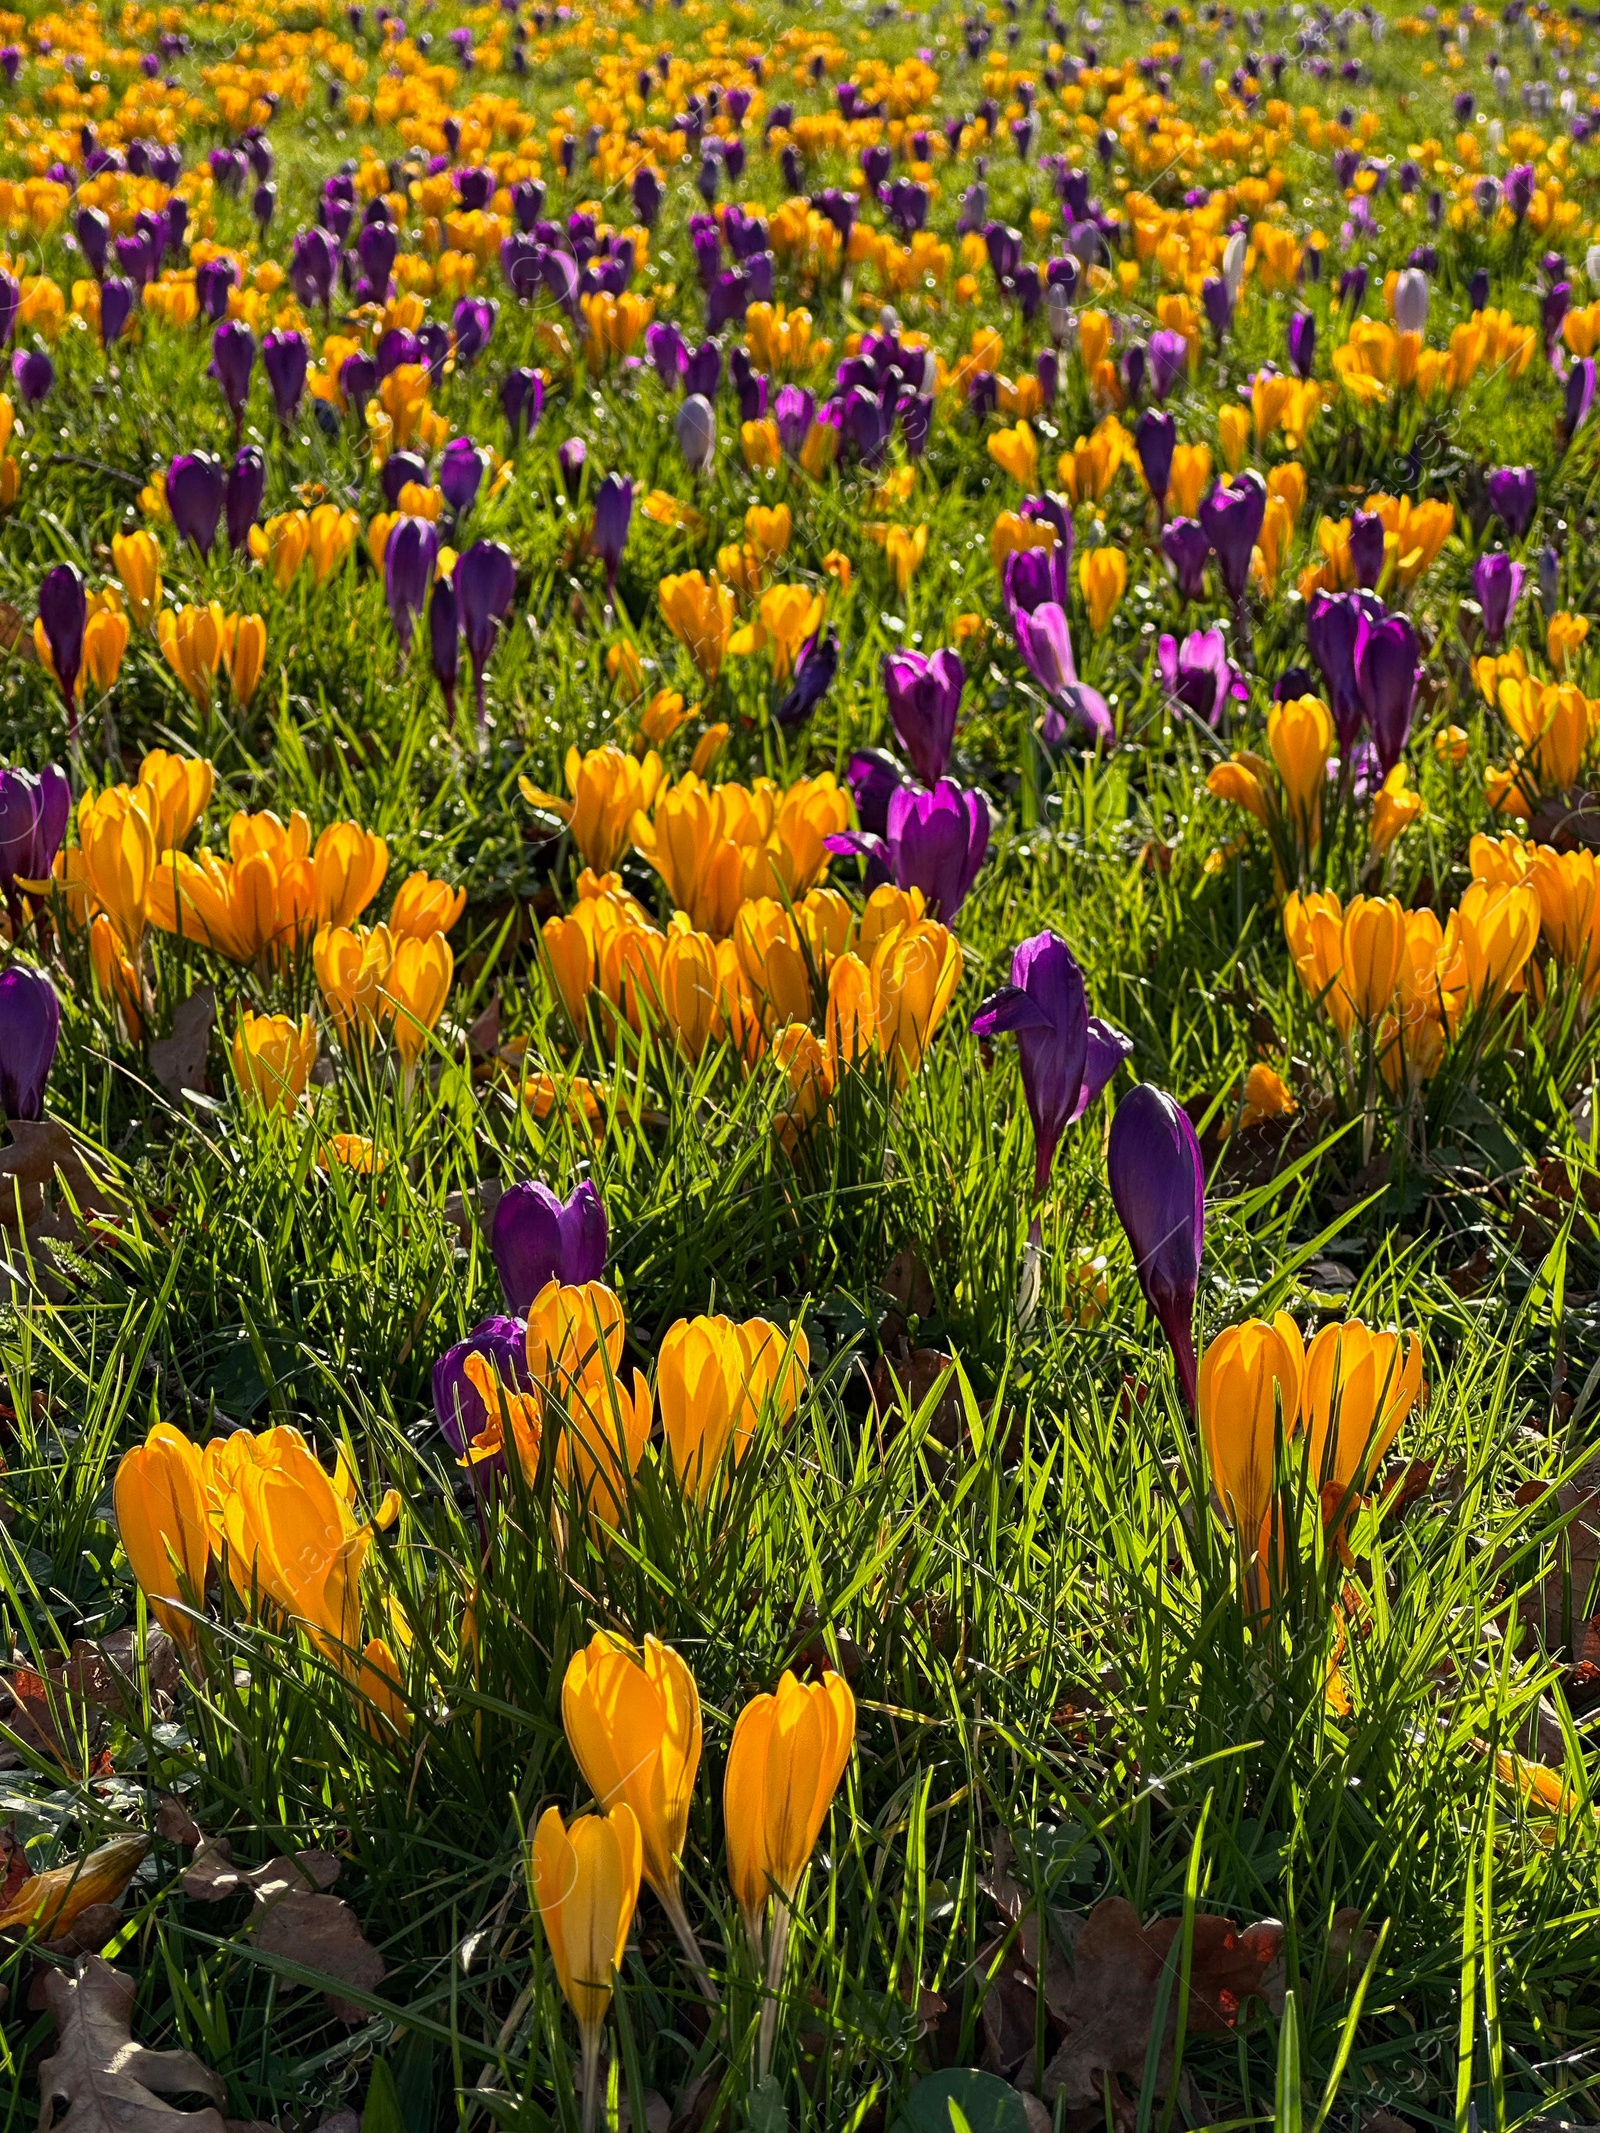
(1232, 516)
(457, 1403)
(537, 1237)
(1158, 1187)
(1067, 1055)
(1333, 626)
(1513, 494)
(613, 514)
(924, 693)
(1199, 673)
(1186, 548)
(233, 356)
(284, 356)
(933, 841)
(1044, 638)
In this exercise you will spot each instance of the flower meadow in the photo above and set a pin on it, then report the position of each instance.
(800, 843)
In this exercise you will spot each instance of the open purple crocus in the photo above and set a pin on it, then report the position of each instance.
(933, 841)
(1199, 673)
(924, 692)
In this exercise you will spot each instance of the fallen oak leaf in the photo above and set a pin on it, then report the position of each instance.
(1110, 2010)
(290, 1919)
(99, 2079)
(178, 1061)
(48, 1903)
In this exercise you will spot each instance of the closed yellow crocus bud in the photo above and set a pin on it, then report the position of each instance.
(115, 975)
(1239, 780)
(105, 639)
(348, 865)
(415, 989)
(1103, 577)
(1491, 935)
(423, 906)
(1395, 809)
(1300, 739)
(632, 1721)
(244, 644)
(798, 1055)
(785, 1760)
(712, 1379)
(164, 1525)
(852, 1017)
(681, 840)
(1313, 926)
(770, 955)
(689, 985)
(1358, 1389)
(330, 536)
(192, 640)
(1567, 885)
(569, 956)
(272, 1059)
(1249, 1395)
(1374, 939)
(174, 791)
(118, 850)
(699, 612)
(586, 1884)
(1564, 639)
(281, 544)
(1233, 436)
(1190, 478)
(376, 1680)
(914, 977)
(608, 790)
(136, 558)
(1016, 452)
(352, 966)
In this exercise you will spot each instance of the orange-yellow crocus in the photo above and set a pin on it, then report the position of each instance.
(1103, 576)
(164, 1527)
(785, 1761)
(586, 1884)
(352, 964)
(713, 1376)
(632, 1720)
(136, 558)
(192, 642)
(1016, 452)
(117, 849)
(608, 790)
(272, 1059)
(415, 988)
(244, 646)
(1249, 1392)
(699, 612)
(1358, 1389)
(423, 906)
(174, 791)
(1300, 739)
(348, 865)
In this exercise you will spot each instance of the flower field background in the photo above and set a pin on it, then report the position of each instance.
(799, 1052)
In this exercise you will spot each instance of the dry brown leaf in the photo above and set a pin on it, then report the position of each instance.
(178, 1061)
(293, 1919)
(15, 635)
(51, 1901)
(175, 1823)
(1116, 1982)
(54, 1712)
(1556, 1608)
(99, 2080)
(43, 1179)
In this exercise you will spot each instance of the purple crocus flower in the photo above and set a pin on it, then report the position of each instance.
(116, 308)
(522, 401)
(794, 411)
(1187, 549)
(1044, 638)
(285, 356)
(30, 1027)
(1199, 673)
(1496, 585)
(10, 304)
(444, 641)
(933, 841)
(358, 381)
(1519, 189)
(33, 821)
(1513, 494)
(1333, 628)
(456, 1401)
(1168, 359)
(664, 345)
(1368, 546)
(408, 565)
(1067, 1056)
(233, 355)
(816, 664)
(874, 777)
(1581, 379)
(1302, 343)
(64, 611)
(472, 323)
(243, 490)
(33, 373)
(1387, 666)
(537, 1237)
(1158, 1187)
(194, 497)
(313, 264)
(94, 237)
(924, 695)
(485, 580)
(1232, 516)
(1155, 437)
(613, 513)
(461, 471)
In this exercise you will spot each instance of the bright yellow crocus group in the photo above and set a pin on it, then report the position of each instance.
(632, 1720)
(283, 1529)
(1334, 1409)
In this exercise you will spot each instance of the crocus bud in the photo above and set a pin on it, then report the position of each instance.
(586, 1884)
(64, 614)
(785, 1760)
(485, 581)
(30, 1027)
(233, 355)
(243, 490)
(613, 510)
(924, 697)
(461, 471)
(1158, 1186)
(522, 401)
(164, 1524)
(1411, 300)
(632, 1721)
(408, 561)
(697, 433)
(444, 640)
(537, 1237)
(285, 356)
